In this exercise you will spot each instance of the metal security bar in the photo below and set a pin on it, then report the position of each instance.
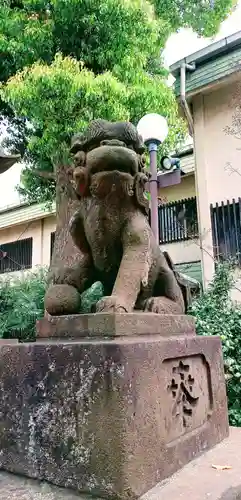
(226, 230)
(16, 256)
(178, 221)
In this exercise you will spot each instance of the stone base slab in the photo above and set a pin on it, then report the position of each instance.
(114, 325)
(14, 487)
(113, 417)
(198, 480)
(8, 341)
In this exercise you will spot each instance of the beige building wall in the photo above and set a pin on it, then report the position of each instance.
(48, 228)
(186, 189)
(218, 160)
(22, 231)
(40, 231)
(222, 150)
(236, 291)
(183, 251)
(201, 166)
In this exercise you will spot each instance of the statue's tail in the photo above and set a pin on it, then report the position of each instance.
(188, 287)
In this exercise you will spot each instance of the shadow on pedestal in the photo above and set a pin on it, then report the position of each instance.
(112, 410)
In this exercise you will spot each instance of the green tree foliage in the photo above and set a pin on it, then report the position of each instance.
(86, 58)
(62, 97)
(216, 314)
(203, 16)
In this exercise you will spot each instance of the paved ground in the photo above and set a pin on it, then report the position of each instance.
(200, 481)
(197, 481)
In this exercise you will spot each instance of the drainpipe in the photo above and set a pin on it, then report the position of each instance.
(183, 101)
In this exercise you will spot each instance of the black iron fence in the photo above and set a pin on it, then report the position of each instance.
(16, 256)
(178, 221)
(226, 230)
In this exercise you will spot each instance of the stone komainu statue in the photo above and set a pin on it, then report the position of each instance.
(112, 231)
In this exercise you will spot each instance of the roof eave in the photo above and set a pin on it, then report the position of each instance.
(204, 88)
(204, 55)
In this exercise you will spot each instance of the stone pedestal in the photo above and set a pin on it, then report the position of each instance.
(114, 412)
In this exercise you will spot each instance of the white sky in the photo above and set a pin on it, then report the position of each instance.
(187, 42)
(178, 46)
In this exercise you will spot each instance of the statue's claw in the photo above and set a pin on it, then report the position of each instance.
(162, 305)
(112, 304)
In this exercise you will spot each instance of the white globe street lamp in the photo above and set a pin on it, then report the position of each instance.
(153, 129)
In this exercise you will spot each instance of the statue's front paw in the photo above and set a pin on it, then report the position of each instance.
(62, 299)
(162, 305)
(112, 304)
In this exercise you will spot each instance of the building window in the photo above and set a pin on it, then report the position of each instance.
(52, 240)
(226, 230)
(16, 256)
(178, 221)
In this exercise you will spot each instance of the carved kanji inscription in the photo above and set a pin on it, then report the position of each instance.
(188, 393)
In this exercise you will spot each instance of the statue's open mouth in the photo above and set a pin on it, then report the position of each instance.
(110, 153)
(107, 158)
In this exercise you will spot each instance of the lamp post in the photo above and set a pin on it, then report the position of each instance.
(154, 129)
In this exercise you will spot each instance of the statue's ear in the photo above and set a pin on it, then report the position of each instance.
(81, 181)
(140, 181)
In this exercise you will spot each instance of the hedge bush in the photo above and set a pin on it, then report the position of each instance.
(22, 303)
(216, 314)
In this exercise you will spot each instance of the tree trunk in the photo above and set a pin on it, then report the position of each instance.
(65, 252)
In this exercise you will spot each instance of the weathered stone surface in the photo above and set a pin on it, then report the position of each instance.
(8, 341)
(232, 494)
(197, 480)
(114, 325)
(110, 417)
(19, 488)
